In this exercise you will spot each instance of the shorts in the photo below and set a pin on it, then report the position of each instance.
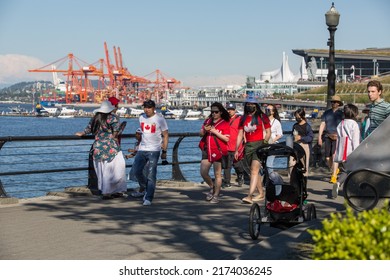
(330, 146)
(205, 156)
(250, 151)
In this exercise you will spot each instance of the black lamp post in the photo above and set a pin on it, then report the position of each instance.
(332, 20)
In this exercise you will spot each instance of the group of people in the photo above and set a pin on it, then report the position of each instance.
(227, 140)
(341, 134)
(108, 160)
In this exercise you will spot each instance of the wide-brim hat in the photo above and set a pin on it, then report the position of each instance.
(251, 99)
(337, 99)
(106, 107)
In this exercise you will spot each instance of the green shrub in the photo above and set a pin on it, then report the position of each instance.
(365, 236)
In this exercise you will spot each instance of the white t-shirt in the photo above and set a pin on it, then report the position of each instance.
(152, 129)
(276, 129)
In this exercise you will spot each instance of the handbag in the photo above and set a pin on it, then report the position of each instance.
(332, 136)
(224, 158)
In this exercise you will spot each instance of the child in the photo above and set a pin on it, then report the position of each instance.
(348, 138)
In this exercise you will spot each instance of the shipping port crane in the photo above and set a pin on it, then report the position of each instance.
(77, 85)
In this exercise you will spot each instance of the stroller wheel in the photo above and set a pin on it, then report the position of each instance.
(254, 221)
(311, 213)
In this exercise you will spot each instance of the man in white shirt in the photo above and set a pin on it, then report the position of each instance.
(154, 139)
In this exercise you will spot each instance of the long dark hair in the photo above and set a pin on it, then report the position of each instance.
(275, 112)
(255, 118)
(350, 112)
(301, 112)
(98, 121)
(224, 112)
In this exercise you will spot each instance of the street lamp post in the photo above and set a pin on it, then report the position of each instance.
(332, 20)
(373, 68)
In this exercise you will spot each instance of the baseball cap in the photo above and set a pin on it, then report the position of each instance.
(231, 106)
(149, 104)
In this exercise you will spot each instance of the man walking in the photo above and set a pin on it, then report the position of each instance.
(154, 138)
(379, 108)
(234, 121)
(328, 131)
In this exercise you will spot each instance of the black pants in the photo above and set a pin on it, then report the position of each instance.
(236, 165)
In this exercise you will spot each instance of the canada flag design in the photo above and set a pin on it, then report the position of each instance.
(148, 128)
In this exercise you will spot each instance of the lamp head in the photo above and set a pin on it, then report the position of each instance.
(332, 17)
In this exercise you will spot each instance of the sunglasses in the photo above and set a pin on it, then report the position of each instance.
(215, 112)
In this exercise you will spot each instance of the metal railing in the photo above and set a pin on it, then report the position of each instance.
(31, 166)
(34, 165)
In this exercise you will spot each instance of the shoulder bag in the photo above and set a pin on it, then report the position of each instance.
(225, 158)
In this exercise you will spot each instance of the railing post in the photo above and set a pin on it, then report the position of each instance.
(177, 175)
(2, 190)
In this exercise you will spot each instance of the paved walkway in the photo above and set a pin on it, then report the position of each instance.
(179, 225)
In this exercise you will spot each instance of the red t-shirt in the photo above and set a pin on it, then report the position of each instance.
(213, 151)
(255, 132)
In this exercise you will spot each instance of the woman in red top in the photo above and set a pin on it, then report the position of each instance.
(251, 126)
(215, 134)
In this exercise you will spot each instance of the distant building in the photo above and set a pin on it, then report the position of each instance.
(349, 64)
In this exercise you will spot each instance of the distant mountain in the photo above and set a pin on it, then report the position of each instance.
(23, 91)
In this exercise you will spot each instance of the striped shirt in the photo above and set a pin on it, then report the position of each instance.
(379, 111)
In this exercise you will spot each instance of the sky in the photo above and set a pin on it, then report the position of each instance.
(202, 42)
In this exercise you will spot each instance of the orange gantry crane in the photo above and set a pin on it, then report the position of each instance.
(119, 75)
(161, 84)
(77, 84)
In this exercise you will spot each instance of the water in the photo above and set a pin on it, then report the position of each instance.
(74, 154)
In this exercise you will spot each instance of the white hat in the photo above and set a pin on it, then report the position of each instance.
(106, 107)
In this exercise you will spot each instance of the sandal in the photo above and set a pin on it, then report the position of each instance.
(209, 196)
(247, 200)
(214, 200)
(258, 197)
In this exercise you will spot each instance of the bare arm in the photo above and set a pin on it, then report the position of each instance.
(322, 128)
(240, 136)
(165, 140)
(224, 138)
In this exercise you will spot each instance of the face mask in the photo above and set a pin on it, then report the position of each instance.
(268, 112)
(250, 109)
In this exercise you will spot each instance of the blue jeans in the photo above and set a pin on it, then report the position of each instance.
(146, 180)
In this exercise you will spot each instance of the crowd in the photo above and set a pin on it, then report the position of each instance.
(227, 140)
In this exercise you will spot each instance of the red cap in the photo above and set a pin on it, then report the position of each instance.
(114, 101)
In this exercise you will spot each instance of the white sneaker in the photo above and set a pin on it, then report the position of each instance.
(147, 203)
(335, 190)
(137, 194)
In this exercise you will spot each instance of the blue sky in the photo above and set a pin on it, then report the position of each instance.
(198, 42)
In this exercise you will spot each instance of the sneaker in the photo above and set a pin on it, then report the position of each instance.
(333, 179)
(240, 181)
(147, 203)
(137, 194)
(214, 200)
(335, 190)
(226, 186)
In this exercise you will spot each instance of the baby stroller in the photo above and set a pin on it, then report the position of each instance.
(285, 185)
